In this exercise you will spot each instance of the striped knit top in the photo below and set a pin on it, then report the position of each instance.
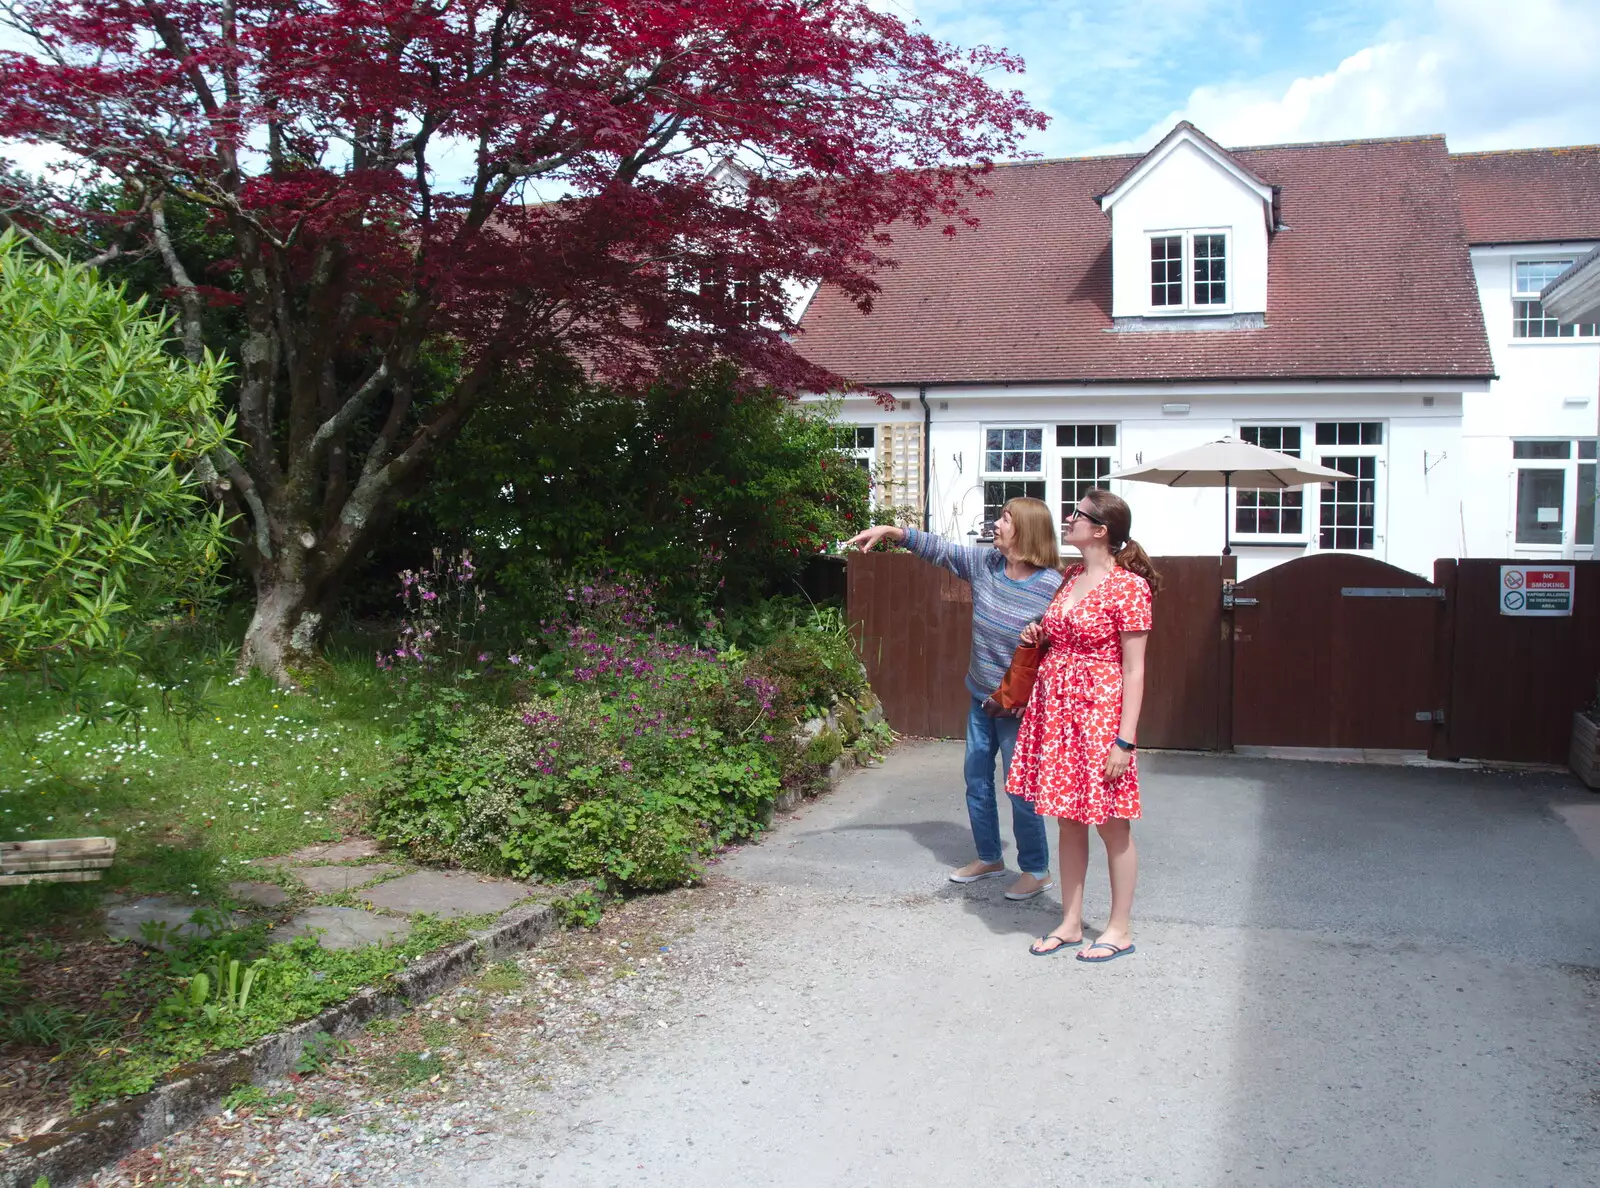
(1001, 606)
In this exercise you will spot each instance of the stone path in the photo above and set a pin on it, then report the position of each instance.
(392, 893)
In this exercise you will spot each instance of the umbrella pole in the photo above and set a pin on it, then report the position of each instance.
(1227, 541)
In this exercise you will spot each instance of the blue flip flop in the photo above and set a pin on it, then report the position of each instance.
(1112, 956)
(1065, 944)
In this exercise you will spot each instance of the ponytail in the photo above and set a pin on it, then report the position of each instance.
(1117, 518)
(1133, 558)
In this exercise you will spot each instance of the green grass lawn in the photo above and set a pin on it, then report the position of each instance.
(259, 772)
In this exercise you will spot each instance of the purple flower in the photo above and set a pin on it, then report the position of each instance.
(514, 658)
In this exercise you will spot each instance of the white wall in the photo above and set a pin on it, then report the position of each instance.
(1419, 515)
(1188, 190)
(1547, 388)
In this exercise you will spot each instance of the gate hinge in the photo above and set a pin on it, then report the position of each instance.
(1430, 715)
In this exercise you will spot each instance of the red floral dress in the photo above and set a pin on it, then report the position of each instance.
(1076, 707)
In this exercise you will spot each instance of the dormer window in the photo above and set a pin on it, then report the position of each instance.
(1189, 271)
(1190, 228)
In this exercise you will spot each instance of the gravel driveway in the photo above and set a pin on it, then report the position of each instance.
(1345, 976)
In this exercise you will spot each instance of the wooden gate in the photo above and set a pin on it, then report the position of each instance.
(1335, 650)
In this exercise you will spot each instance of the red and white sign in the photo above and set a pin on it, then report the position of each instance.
(1537, 591)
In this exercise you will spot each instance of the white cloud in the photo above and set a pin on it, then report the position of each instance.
(1487, 74)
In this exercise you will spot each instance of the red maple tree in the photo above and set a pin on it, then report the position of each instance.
(639, 183)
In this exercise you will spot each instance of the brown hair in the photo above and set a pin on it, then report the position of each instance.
(1118, 517)
(1036, 532)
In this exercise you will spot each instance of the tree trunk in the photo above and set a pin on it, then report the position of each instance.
(286, 629)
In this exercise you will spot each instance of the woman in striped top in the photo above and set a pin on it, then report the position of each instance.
(1012, 584)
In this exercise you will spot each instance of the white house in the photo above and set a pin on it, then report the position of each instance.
(1372, 304)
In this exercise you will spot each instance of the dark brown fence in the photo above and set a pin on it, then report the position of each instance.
(914, 629)
(1513, 683)
(1335, 651)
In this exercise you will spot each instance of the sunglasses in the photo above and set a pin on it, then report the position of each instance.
(1079, 514)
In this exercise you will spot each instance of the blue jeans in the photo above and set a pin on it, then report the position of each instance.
(985, 736)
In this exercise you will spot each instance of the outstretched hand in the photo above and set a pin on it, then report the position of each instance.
(872, 537)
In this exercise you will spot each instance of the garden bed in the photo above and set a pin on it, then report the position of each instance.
(609, 747)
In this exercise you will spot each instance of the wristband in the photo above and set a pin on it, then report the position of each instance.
(1125, 744)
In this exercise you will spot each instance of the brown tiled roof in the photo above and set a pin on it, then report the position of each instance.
(1530, 195)
(1370, 278)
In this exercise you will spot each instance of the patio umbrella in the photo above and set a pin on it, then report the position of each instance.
(1230, 463)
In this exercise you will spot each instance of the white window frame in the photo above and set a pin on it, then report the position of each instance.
(1309, 508)
(1323, 455)
(1065, 454)
(1190, 306)
(1581, 452)
(987, 476)
(1579, 331)
(864, 456)
(1310, 536)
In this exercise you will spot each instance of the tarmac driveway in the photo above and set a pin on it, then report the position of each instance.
(1345, 976)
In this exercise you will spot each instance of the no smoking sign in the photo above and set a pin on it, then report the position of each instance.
(1537, 591)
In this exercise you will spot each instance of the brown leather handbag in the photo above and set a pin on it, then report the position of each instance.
(1011, 698)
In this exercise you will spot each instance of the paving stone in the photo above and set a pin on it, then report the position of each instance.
(326, 880)
(261, 894)
(126, 921)
(341, 927)
(446, 893)
(351, 849)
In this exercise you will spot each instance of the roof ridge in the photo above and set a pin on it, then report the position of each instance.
(1554, 148)
(1289, 144)
(1251, 148)
(1067, 160)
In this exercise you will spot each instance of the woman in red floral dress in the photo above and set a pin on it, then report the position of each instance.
(1075, 751)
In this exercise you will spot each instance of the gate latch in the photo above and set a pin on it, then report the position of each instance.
(1430, 715)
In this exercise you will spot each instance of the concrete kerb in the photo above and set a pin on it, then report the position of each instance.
(108, 1133)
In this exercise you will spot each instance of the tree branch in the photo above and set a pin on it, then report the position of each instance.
(39, 245)
(188, 295)
(342, 420)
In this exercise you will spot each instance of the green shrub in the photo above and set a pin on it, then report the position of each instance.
(816, 663)
(824, 748)
(628, 754)
(717, 491)
(103, 524)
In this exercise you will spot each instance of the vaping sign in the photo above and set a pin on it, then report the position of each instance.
(1537, 591)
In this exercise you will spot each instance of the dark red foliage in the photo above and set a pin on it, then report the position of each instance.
(517, 176)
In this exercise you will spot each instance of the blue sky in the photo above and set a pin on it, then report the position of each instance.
(1115, 74)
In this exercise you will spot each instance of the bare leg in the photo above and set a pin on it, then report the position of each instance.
(1074, 853)
(1123, 863)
